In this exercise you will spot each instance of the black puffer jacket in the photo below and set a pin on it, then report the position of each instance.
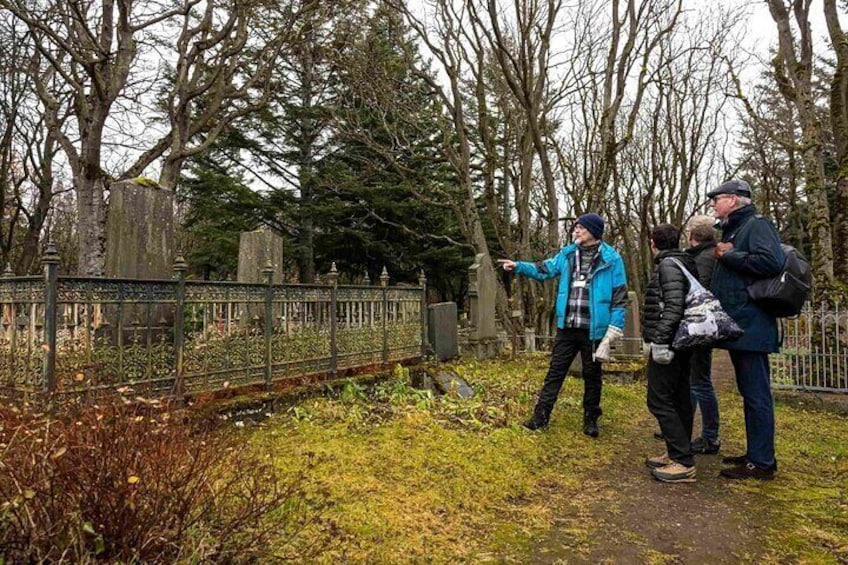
(665, 297)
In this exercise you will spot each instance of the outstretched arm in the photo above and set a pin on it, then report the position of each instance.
(507, 265)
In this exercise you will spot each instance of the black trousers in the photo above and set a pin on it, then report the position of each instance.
(670, 401)
(568, 343)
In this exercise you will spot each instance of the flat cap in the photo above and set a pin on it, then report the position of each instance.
(733, 186)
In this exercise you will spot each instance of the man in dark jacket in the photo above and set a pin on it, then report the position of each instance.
(669, 397)
(590, 310)
(749, 250)
(701, 233)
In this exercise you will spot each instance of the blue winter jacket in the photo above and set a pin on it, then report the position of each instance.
(607, 286)
(756, 254)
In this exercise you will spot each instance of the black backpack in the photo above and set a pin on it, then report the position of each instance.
(784, 294)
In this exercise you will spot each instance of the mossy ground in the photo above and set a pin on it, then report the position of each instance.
(411, 478)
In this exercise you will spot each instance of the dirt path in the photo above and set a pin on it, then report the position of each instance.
(640, 520)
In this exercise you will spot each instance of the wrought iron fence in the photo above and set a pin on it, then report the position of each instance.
(814, 355)
(72, 335)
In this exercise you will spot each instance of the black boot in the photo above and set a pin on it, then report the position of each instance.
(538, 421)
(590, 424)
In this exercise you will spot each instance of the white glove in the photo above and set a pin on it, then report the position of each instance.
(662, 354)
(646, 349)
(602, 353)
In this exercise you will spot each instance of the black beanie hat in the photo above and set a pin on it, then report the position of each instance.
(593, 223)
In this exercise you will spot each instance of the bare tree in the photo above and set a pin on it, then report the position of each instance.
(89, 62)
(27, 153)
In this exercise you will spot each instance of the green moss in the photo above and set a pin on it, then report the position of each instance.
(417, 478)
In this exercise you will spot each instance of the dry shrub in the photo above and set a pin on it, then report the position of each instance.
(141, 485)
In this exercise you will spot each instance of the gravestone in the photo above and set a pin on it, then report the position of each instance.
(139, 245)
(139, 231)
(450, 383)
(631, 344)
(256, 248)
(482, 293)
(442, 330)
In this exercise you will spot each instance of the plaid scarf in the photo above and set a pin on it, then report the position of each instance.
(577, 310)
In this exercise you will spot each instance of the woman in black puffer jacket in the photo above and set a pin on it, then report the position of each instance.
(669, 398)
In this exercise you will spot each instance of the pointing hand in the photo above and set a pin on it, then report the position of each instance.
(507, 265)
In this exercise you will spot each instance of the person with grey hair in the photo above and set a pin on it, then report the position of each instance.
(749, 250)
(700, 231)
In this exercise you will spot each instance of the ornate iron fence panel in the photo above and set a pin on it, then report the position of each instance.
(22, 334)
(223, 335)
(814, 355)
(113, 333)
(301, 338)
(83, 335)
(403, 322)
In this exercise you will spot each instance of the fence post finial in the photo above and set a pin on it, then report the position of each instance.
(384, 277)
(268, 271)
(180, 265)
(51, 256)
(333, 275)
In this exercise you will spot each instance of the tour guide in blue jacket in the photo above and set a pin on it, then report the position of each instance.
(749, 250)
(590, 309)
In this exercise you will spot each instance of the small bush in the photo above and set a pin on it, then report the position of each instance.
(142, 485)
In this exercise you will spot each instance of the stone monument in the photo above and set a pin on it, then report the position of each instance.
(139, 231)
(482, 293)
(256, 248)
(442, 330)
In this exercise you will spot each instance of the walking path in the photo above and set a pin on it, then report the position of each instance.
(640, 520)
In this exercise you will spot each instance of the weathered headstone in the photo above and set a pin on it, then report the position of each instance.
(139, 231)
(442, 330)
(482, 294)
(631, 344)
(256, 248)
(139, 245)
(449, 382)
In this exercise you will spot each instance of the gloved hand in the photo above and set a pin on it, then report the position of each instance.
(602, 353)
(646, 349)
(661, 353)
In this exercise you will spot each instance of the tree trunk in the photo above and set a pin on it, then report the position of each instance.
(839, 126)
(793, 73)
(91, 214)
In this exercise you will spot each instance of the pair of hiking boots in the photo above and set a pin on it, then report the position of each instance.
(590, 423)
(664, 469)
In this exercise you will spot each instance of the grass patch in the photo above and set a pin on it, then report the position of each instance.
(413, 478)
(807, 504)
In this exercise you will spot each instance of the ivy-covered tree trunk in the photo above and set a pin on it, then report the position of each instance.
(839, 126)
(793, 67)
